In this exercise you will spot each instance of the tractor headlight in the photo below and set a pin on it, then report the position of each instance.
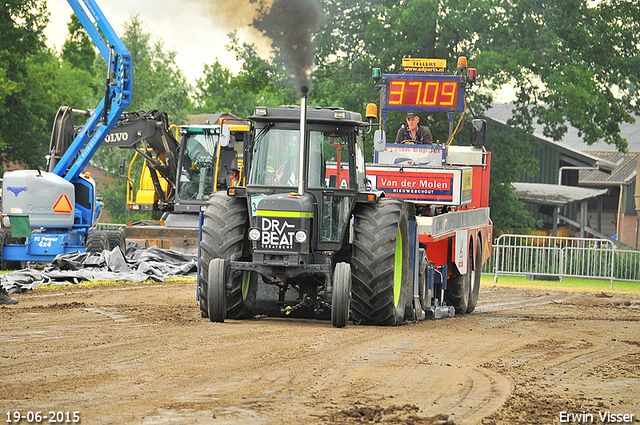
(301, 236)
(254, 234)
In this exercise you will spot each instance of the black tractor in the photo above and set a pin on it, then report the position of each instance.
(304, 226)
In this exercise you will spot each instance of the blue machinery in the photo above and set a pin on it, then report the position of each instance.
(52, 213)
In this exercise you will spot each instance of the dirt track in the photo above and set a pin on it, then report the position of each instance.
(141, 354)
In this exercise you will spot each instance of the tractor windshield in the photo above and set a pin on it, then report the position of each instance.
(277, 153)
(275, 158)
(198, 165)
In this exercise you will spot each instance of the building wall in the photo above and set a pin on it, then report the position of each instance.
(629, 230)
(609, 215)
(548, 163)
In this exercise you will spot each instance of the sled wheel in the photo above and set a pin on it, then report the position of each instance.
(476, 274)
(458, 290)
(423, 285)
(341, 298)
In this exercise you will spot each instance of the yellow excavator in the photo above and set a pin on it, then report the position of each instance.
(182, 166)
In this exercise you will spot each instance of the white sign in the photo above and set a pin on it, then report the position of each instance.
(462, 251)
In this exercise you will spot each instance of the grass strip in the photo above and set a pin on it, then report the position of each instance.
(566, 284)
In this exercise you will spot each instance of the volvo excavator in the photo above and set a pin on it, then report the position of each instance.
(183, 165)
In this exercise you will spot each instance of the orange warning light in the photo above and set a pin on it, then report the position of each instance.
(63, 205)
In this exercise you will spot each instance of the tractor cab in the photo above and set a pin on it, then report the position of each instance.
(205, 164)
(312, 184)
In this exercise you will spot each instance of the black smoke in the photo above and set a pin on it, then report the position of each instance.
(290, 24)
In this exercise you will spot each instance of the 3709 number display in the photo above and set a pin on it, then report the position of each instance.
(422, 93)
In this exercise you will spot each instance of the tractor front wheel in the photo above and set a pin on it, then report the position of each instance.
(216, 297)
(341, 298)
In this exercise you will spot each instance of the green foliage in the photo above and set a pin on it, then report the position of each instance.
(259, 82)
(575, 61)
(22, 112)
(158, 82)
(78, 49)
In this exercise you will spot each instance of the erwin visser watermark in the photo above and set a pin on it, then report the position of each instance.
(599, 417)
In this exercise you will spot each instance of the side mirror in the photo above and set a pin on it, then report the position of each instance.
(379, 140)
(225, 136)
(123, 165)
(478, 134)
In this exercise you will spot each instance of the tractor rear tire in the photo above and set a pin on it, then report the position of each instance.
(459, 289)
(216, 297)
(476, 274)
(97, 241)
(380, 258)
(224, 236)
(341, 297)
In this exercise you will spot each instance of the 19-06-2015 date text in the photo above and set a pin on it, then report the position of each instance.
(50, 416)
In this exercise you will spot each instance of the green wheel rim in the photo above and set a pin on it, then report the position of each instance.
(397, 270)
(246, 278)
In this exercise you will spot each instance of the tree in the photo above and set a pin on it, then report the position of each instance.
(158, 83)
(78, 49)
(573, 62)
(570, 62)
(23, 111)
(259, 82)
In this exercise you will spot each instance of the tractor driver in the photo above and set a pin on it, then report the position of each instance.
(286, 155)
(413, 132)
(287, 174)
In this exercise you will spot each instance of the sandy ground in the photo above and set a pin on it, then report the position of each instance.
(141, 354)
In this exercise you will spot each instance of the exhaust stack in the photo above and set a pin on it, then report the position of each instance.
(303, 131)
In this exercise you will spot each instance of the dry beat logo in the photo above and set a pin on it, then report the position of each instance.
(277, 235)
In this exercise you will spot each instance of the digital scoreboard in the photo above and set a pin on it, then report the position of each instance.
(423, 92)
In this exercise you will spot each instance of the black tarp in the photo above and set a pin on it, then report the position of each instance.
(139, 264)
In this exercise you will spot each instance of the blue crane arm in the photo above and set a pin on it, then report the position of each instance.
(117, 92)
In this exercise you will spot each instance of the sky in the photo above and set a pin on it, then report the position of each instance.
(195, 29)
(184, 26)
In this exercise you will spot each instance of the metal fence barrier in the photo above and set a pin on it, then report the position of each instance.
(562, 257)
(626, 265)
